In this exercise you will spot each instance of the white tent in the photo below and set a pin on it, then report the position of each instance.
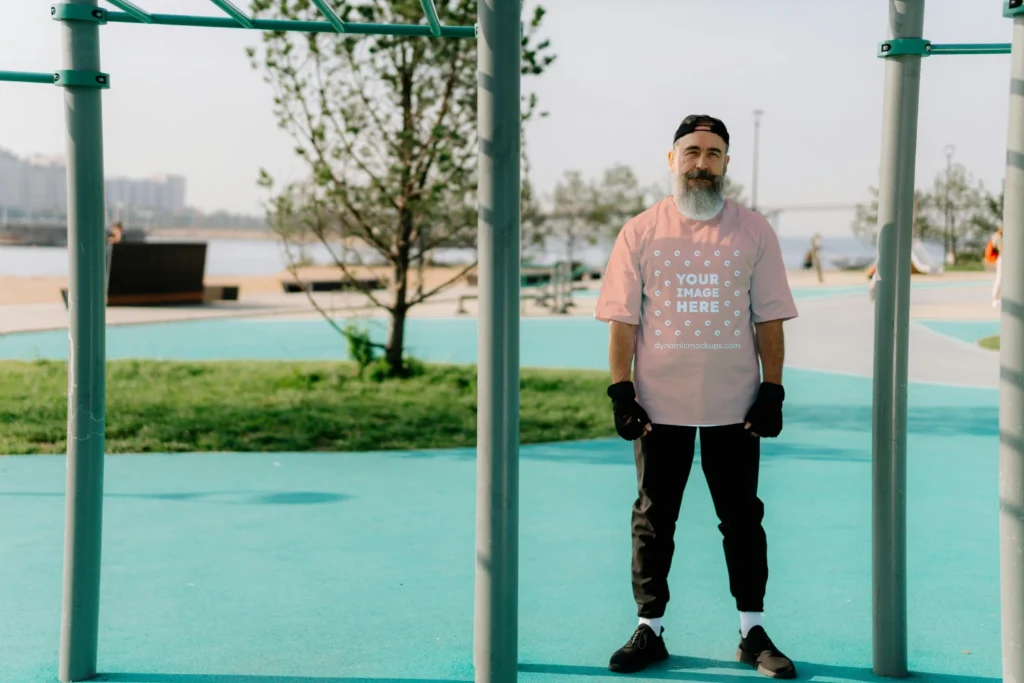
(921, 261)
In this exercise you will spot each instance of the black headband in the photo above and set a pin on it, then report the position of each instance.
(696, 122)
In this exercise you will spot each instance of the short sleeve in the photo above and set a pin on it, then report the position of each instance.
(622, 285)
(770, 295)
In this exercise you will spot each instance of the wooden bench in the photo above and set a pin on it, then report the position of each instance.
(339, 285)
(159, 274)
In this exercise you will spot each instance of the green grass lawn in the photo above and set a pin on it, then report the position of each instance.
(990, 342)
(966, 267)
(156, 406)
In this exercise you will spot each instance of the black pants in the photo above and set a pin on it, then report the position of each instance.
(730, 458)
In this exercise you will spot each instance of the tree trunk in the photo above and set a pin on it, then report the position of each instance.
(396, 342)
(421, 266)
(396, 335)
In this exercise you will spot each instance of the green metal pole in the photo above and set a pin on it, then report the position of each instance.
(1011, 375)
(86, 355)
(892, 326)
(497, 531)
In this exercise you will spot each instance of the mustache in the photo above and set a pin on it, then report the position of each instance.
(700, 175)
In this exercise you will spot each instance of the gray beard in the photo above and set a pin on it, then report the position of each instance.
(698, 203)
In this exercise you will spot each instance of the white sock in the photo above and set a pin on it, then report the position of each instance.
(749, 620)
(655, 624)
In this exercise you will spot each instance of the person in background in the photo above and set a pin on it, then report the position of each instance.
(997, 251)
(814, 257)
(116, 233)
(696, 293)
(114, 236)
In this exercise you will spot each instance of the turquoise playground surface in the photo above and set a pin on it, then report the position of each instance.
(358, 567)
(971, 331)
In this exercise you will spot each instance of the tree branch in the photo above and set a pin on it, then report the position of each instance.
(361, 89)
(312, 300)
(426, 295)
(364, 288)
(326, 111)
(312, 139)
(435, 140)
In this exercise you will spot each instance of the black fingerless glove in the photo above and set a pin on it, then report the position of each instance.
(630, 418)
(765, 416)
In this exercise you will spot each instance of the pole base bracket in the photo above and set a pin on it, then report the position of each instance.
(522, 30)
(81, 78)
(67, 12)
(905, 46)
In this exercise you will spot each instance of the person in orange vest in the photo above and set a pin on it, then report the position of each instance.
(994, 253)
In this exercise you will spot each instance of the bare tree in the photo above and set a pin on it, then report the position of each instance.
(387, 126)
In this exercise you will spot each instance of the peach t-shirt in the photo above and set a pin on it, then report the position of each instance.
(695, 288)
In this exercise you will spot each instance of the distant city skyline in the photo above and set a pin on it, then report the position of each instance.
(38, 183)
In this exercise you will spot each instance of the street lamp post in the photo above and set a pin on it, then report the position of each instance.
(950, 256)
(757, 145)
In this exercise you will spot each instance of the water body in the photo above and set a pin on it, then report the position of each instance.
(235, 257)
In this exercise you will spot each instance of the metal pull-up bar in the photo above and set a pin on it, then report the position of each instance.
(137, 13)
(332, 16)
(431, 14)
(25, 77)
(238, 15)
(497, 539)
(925, 48)
(133, 14)
(903, 53)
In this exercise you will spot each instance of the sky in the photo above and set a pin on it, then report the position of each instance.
(186, 100)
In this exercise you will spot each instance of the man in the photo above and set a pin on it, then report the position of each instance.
(696, 291)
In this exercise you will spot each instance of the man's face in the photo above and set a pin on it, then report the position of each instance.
(698, 163)
(698, 155)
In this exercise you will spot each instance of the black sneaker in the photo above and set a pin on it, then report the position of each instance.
(643, 649)
(758, 650)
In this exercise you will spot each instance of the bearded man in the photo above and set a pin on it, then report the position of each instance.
(695, 293)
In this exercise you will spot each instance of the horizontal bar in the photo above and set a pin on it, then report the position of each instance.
(331, 15)
(971, 49)
(137, 12)
(235, 13)
(303, 26)
(431, 13)
(26, 77)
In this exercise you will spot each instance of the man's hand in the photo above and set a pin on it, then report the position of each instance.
(765, 417)
(631, 420)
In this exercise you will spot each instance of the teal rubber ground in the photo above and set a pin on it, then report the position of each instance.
(295, 568)
(575, 342)
(971, 331)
